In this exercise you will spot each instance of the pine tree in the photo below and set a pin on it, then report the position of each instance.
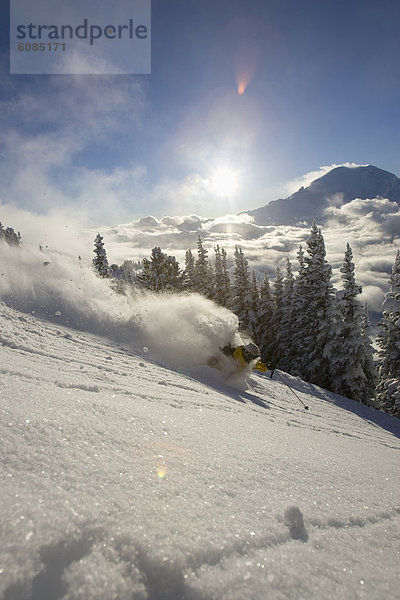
(314, 325)
(8, 235)
(226, 278)
(254, 305)
(276, 321)
(294, 347)
(222, 284)
(286, 333)
(100, 261)
(117, 276)
(203, 273)
(189, 272)
(346, 350)
(241, 295)
(130, 268)
(368, 363)
(161, 273)
(265, 313)
(388, 388)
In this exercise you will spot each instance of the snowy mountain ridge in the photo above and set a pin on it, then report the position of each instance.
(336, 188)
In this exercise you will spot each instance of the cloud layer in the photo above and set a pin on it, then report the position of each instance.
(371, 226)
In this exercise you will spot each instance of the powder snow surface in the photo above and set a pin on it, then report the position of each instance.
(123, 479)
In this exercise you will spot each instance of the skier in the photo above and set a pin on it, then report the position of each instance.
(244, 355)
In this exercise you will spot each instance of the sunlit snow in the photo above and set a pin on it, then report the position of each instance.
(126, 479)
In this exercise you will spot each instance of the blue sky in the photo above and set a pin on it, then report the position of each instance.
(323, 88)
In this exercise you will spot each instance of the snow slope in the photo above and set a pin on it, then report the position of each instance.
(123, 479)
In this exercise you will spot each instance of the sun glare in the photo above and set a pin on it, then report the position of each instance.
(224, 182)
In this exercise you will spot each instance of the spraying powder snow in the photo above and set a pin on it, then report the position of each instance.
(179, 330)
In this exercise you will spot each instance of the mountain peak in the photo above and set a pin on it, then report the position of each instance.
(344, 182)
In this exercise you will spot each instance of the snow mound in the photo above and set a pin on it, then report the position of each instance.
(293, 518)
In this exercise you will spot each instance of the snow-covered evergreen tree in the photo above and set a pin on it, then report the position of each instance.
(116, 271)
(189, 272)
(161, 273)
(368, 365)
(130, 268)
(222, 284)
(226, 278)
(388, 388)
(241, 295)
(203, 273)
(286, 332)
(254, 305)
(8, 235)
(263, 335)
(294, 348)
(346, 349)
(116, 274)
(100, 261)
(276, 321)
(314, 323)
(124, 276)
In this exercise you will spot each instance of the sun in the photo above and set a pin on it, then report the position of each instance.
(224, 182)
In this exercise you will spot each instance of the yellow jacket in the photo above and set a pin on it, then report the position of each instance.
(238, 356)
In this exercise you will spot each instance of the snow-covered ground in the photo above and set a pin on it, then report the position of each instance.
(123, 479)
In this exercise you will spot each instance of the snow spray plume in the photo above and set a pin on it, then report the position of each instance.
(183, 329)
(178, 330)
(60, 288)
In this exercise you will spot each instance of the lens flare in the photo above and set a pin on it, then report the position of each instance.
(161, 472)
(245, 65)
(166, 459)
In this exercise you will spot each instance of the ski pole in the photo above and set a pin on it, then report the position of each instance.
(298, 397)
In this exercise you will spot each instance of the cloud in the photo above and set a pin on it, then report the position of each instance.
(79, 62)
(371, 227)
(46, 131)
(82, 108)
(378, 208)
(372, 220)
(50, 133)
